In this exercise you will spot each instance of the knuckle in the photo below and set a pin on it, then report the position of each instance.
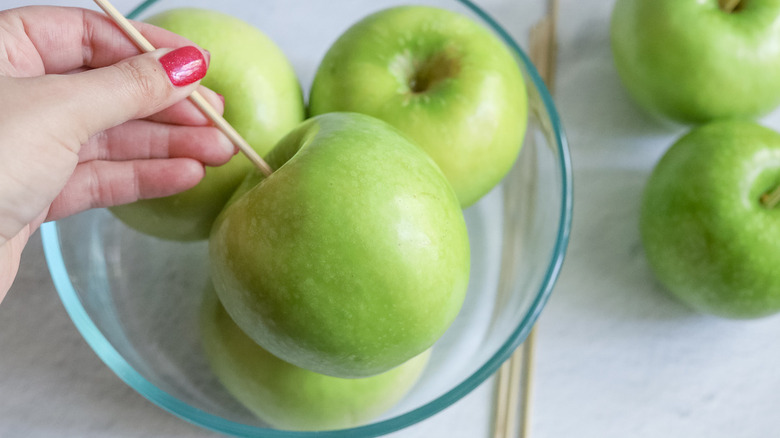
(99, 193)
(142, 81)
(109, 187)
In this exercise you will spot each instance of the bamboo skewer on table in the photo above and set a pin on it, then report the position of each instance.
(515, 377)
(196, 98)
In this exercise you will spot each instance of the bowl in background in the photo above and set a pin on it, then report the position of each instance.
(136, 299)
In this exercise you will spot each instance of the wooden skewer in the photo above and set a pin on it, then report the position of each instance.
(544, 51)
(527, 366)
(517, 372)
(501, 411)
(508, 396)
(195, 97)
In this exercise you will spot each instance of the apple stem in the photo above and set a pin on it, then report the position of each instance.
(729, 5)
(772, 198)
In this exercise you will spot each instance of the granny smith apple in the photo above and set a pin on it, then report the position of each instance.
(289, 397)
(263, 101)
(699, 60)
(352, 257)
(708, 235)
(442, 79)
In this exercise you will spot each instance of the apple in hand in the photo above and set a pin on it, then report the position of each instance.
(289, 397)
(352, 257)
(442, 79)
(263, 101)
(699, 60)
(709, 237)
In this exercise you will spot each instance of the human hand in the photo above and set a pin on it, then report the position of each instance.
(85, 121)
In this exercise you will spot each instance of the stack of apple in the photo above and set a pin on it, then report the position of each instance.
(334, 276)
(709, 220)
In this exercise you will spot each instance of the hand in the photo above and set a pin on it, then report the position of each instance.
(86, 121)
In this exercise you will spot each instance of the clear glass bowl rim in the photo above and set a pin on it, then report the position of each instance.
(112, 358)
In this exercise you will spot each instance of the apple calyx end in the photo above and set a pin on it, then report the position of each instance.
(730, 6)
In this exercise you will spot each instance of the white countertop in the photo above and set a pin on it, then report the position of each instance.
(616, 357)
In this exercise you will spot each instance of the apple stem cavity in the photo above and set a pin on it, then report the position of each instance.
(433, 70)
(771, 198)
(730, 6)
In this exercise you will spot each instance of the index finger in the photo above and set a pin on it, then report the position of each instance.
(68, 38)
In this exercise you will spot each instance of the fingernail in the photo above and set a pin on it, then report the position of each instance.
(184, 65)
(222, 98)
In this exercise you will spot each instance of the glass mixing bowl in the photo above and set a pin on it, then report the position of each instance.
(135, 298)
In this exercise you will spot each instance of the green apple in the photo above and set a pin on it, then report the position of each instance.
(442, 79)
(263, 101)
(699, 60)
(289, 397)
(708, 235)
(352, 257)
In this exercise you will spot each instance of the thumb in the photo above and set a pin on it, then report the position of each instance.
(134, 88)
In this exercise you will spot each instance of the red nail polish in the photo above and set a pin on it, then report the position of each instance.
(184, 65)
